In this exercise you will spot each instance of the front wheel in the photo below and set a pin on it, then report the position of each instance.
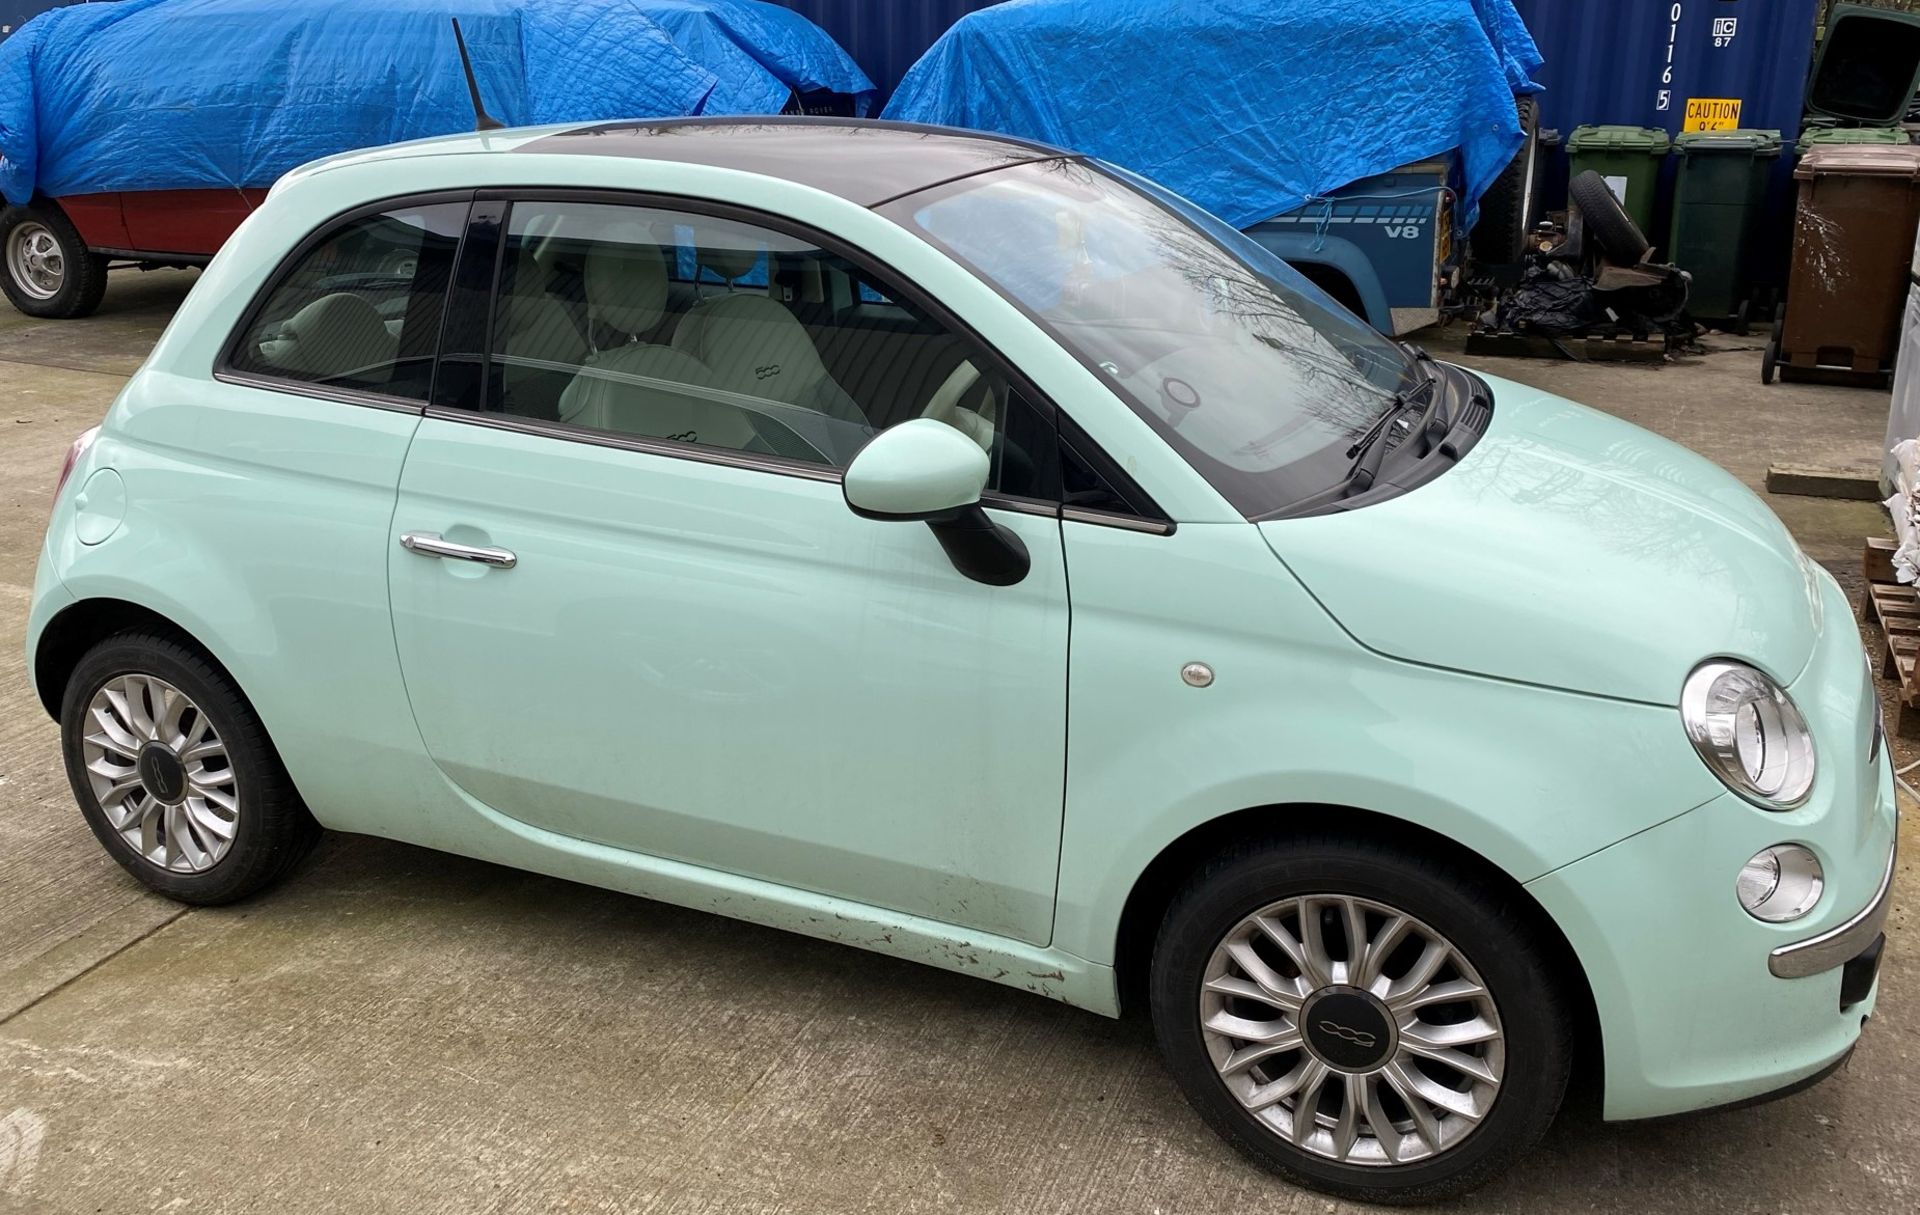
(1362, 1022)
(175, 774)
(48, 269)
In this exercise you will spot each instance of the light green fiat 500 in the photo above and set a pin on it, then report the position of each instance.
(964, 550)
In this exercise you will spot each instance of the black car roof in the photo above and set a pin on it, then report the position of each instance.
(864, 161)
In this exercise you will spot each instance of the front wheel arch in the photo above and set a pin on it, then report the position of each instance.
(1154, 889)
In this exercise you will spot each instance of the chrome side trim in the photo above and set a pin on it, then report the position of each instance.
(653, 447)
(1840, 944)
(1131, 523)
(1020, 506)
(319, 392)
(673, 449)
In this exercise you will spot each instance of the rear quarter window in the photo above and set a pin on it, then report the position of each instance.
(361, 309)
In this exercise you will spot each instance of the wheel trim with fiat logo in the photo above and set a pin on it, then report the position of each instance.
(1352, 1030)
(161, 773)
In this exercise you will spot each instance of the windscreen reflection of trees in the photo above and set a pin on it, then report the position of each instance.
(1332, 386)
(1240, 367)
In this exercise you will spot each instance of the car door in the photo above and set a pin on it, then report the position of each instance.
(632, 606)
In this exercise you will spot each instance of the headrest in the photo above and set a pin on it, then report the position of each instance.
(334, 333)
(729, 264)
(626, 285)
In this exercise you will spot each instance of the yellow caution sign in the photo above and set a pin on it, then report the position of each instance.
(1712, 114)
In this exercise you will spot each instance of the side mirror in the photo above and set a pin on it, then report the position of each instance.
(926, 470)
(916, 470)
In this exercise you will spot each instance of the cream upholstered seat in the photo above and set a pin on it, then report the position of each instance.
(633, 388)
(536, 336)
(754, 345)
(334, 336)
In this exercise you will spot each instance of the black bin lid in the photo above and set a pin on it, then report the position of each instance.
(1868, 67)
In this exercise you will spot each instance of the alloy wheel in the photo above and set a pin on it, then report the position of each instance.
(161, 773)
(1352, 1030)
(34, 261)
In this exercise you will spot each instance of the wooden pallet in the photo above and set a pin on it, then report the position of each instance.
(1893, 608)
(1617, 346)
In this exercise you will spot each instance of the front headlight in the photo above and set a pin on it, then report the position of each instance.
(1748, 731)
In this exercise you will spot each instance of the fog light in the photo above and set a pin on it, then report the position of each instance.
(1780, 883)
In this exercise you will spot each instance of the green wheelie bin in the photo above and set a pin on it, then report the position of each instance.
(1816, 137)
(1628, 158)
(1719, 192)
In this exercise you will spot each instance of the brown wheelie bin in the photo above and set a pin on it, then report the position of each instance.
(1852, 242)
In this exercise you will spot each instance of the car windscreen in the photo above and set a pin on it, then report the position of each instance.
(1255, 376)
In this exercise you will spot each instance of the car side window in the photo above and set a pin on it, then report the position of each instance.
(362, 308)
(669, 325)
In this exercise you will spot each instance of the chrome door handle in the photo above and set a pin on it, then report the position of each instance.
(432, 544)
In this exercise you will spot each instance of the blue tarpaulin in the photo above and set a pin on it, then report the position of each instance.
(760, 53)
(185, 94)
(1248, 107)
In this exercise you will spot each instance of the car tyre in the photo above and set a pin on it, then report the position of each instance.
(1602, 215)
(46, 269)
(1499, 236)
(175, 774)
(1220, 914)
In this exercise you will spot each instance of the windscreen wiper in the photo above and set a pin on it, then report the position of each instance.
(1438, 421)
(1370, 448)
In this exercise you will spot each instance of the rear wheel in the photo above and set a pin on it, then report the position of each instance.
(175, 774)
(1361, 1022)
(48, 269)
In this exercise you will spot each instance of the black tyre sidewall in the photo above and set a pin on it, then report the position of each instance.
(1492, 932)
(86, 272)
(1500, 234)
(274, 829)
(1608, 222)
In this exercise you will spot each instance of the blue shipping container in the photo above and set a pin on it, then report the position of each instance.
(1642, 62)
(1647, 63)
(885, 37)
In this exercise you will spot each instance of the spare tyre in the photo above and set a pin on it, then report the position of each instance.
(1606, 221)
(1499, 236)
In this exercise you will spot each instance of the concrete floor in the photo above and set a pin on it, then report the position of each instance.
(398, 1031)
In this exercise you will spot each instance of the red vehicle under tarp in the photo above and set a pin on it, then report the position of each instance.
(148, 223)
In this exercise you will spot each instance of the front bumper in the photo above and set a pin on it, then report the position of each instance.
(1693, 1013)
(1841, 944)
(1699, 1003)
